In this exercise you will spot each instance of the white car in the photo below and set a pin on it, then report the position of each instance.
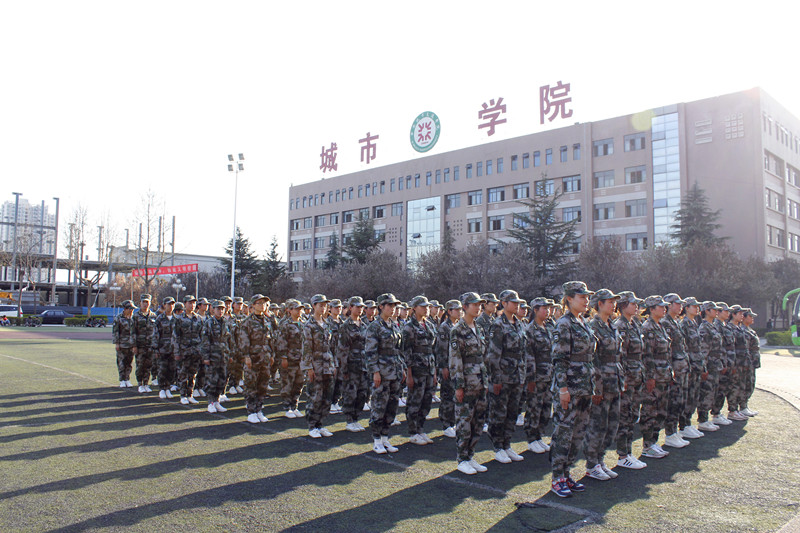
(9, 311)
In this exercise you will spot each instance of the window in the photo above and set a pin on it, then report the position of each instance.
(544, 187)
(568, 214)
(495, 249)
(455, 173)
(526, 161)
(391, 185)
(571, 183)
(488, 167)
(576, 151)
(576, 246)
(347, 238)
(537, 159)
(474, 197)
(497, 223)
(347, 216)
(446, 175)
(308, 223)
(397, 209)
(438, 176)
(774, 200)
(428, 177)
(473, 225)
(360, 190)
(520, 220)
(294, 245)
(499, 165)
(603, 147)
(295, 224)
(379, 211)
(496, 194)
(634, 142)
(635, 174)
(636, 241)
(334, 218)
(363, 213)
(564, 152)
(522, 190)
(452, 200)
(307, 244)
(635, 208)
(350, 194)
(794, 209)
(306, 199)
(479, 169)
(603, 179)
(320, 220)
(319, 242)
(416, 181)
(400, 182)
(337, 195)
(380, 235)
(316, 199)
(332, 240)
(548, 156)
(794, 242)
(469, 171)
(513, 163)
(383, 187)
(604, 211)
(408, 182)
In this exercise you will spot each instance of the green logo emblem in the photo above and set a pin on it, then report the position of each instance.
(425, 131)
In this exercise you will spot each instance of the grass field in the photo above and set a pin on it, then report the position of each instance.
(79, 454)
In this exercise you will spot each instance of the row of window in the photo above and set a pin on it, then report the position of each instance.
(783, 135)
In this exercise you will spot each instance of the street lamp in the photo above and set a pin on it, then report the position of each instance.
(234, 166)
(115, 289)
(178, 286)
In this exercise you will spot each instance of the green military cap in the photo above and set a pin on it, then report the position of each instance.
(490, 297)
(179, 306)
(369, 303)
(435, 303)
(146, 297)
(238, 300)
(571, 288)
(168, 300)
(273, 305)
(691, 300)
(723, 306)
(629, 297)
(307, 306)
(217, 303)
(472, 298)
(226, 299)
(256, 297)
(452, 304)
(749, 311)
(708, 305)
(673, 298)
(189, 298)
(655, 300)
(604, 294)
(336, 302)
(202, 301)
(736, 309)
(540, 302)
(420, 300)
(292, 303)
(524, 304)
(550, 301)
(128, 304)
(355, 301)
(387, 298)
(510, 296)
(319, 299)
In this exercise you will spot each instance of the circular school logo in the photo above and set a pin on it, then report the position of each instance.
(425, 131)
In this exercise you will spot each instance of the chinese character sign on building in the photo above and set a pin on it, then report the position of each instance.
(554, 99)
(166, 271)
(491, 113)
(328, 158)
(369, 148)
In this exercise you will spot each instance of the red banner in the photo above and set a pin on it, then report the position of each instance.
(166, 271)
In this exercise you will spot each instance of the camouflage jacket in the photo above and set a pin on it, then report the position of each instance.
(656, 356)
(144, 328)
(609, 372)
(506, 352)
(540, 352)
(466, 351)
(574, 347)
(122, 332)
(162, 336)
(187, 334)
(234, 321)
(382, 350)
(691, 333)
(728, 342)
(753, 347)
(350, 348)
(317, 349)
(711, 345)
(334, 326)
(441, 348)
(290, 341)
(740, 346)
(419, 341)
(216, 339)
(677, 345)
(631, 340)
(254, 336)
(485, 321)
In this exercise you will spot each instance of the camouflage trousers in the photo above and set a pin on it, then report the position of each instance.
(750, 386)
(502, 414)
(708, 390)
(188, 366)
(144, 363)
(383, 406)
(447, 406)
(630, 401)
(216, 377)
(418, 404)
(738, 387)
(538, 406)
(602, 428)
(470, 417)
(235, 370)
(124, 363)
(256, 378)
(676, 404)
(338, 386)
(319, 404)
(355, 393)
(166, 370)
(723, 390)
(654, 412)
(291, 385)
(200, 377)
(694, 381)
(569, 428)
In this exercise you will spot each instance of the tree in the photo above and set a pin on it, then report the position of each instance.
(695, 221)
(363, 241)
(272, 269)
(150, 251)
(247, 263)
(334, 256)
(81, 235)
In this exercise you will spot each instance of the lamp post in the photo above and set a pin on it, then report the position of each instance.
(235, 167)
(178, 286)
(14, 242)
(115, 289)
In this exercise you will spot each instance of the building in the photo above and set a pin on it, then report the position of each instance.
(34, 225)
(622, 176)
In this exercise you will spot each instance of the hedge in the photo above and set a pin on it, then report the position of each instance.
(779, 338)
(80, 320)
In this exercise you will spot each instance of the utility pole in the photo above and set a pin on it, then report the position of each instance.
(54, 298)
(14, 255)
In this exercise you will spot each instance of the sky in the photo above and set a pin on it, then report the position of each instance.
(101, 102)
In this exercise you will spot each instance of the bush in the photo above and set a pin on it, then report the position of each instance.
(80, 320)
(779, 338)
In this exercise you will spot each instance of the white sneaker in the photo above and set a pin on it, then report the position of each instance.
(162, 394)
(543, 445)
(354, 427)
(396, 421)
(128, 383)
(211, 408)
(690, 432)
(147, 388)
(485, 428)
(661, 450)
(298, 414)
(520, 420)
(122, 385)
(232, 391)
(202, 393)
(253, 418)
(418, 440)
(707, 426)
(535, 447)
(366, 407)
(377, 446)
(436, 399)
(631, 462)
(219, 407)
(610, 473)
(514, 456)
(477, 466)
(141, 388)
(241, 383)
(502, 457)
(720, 420)
(223, 398)
(402, 402)
(290, 414)
(184, 400)
(173, 388)
(314, 433)
(387, 445)
(335, 409)
(427, 438)
(450, 432)
(654, 452)
(598, 473)
(196, 393)
(192, 400)
(325, 432)
(261, 417)
(168, 394)
(749, 412)
(154, 382)
(465, 468)
(736, 415)
(239, 389)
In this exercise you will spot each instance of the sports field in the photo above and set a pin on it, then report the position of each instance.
(78, 453)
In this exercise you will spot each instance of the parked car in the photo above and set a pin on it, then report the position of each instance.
(9, 310)
(53, 316)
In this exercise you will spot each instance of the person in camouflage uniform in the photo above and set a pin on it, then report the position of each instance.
(419, 340)
(604, 414)
(465, 361)
(755, 361)
(574, 381)
(144, 321)
(187, 335)
(741, 364)
(255, 342)
(657, 376)
(712, 353)
(726, 375)
(631, 349)
(679, 387)
(162, 345)
(319, 365)
(274, 315)
(236, 361)
(215, 348)
(697, 367)
(200, 377)
(539, 401)
(352, 367)
(386, 365)
(124, 341)
(489, 309)
(290, 349)
(447, 413)
(334, 322)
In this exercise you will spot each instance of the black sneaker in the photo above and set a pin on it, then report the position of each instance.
(559, 486)
(574, 486)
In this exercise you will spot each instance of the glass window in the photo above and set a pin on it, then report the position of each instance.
(295, 245)
(568, 214)
(363, 213)
(548, 154)
(366, 190)
(604, 211)
(473, 225)
(634, 142)
(544, 187)
(423, 228)
(379, 211)
(513, 163)
(499, 165)
(307, 244)
(521, 190)
(635, 174)
(474, 197)
(400, 182)
(526, 161)
(360, 191)
(479, 169)
(319, 242)
(304, 201)
(337, 195)
(537, 159)
(469, 170)
(496, 194)
(320, 220)
(571, 183)
(636, 241)
(603, 179)
(603, 147)
(416, 181)
(563, 151)
(408, 182)
(397, 209)
(636, 208)
(428, 177)
(380, 234)
(488, 167)
(295, 224)
(446, 175)
(334, 218)
(307, 223)
(576, 151)
(455, 173)
(497, 223)
(438, 176)
(347, 216)
(452, 200)
(350, 194)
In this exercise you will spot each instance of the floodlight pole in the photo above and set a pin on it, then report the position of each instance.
(14, 255)
(234, 166)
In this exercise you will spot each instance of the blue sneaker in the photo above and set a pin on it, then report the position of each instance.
(574, 486)
(560, 487)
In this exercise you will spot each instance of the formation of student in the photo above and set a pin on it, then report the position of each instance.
(594, 365)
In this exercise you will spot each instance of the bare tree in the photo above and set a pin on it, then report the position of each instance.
(29, 262)
(81, 235)
(150, 231)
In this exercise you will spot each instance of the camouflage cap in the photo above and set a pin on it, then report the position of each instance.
(145, 297)
(748, 311)
(540, 302)
(402, 305)
(355, 301)
(238, 300)
(370, 303)
(336, 302)
(510, 296)
(435, 303)
(723, 306)
(655, 300)
(306, 305)
(736, 309)
(226, 299)
(273, 305)
(292, 303)
(524, 304)
(217, 303)
(571, 288)
(189, 298)
(319, 299)
(490, 297)
(605, 294)
(550, 301)
(420, 300)
(168, 300)
(202, 301)
(128, 304)
(629, 297)
(691, 300)
(256, 297)
(387, 298)
(673, 298)
(452, 304)
(179, 306)
(708, 305)
(472, 298)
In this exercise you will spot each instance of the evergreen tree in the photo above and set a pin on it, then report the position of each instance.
(334, 257)
(247, 263)
(272, 269)
(363, 241)
(695, 221)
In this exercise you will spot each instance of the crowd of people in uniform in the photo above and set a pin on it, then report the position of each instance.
(595, 364)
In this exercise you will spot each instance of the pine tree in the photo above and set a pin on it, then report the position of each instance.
(334, 257)
(272, 269)
(695, 221)
(247, 263)
(363, 241)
